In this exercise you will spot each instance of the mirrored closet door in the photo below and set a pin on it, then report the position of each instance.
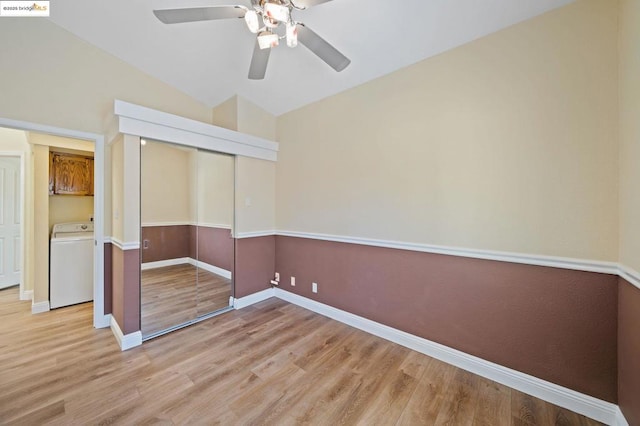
(187, 211)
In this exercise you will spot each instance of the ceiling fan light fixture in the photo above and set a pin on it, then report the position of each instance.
(267, 39)
(253, 23)
(292, 34)
(276, 12)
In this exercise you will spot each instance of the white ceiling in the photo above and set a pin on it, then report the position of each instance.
(210, 60)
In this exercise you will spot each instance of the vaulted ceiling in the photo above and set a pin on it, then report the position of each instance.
(209, 60)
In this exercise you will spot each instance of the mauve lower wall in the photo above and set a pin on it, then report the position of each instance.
(108, 280)
(165, 242)
(207, 244)
(629, 351)
(214, 245)
(255, 264)
(555, 324)
(126, 289)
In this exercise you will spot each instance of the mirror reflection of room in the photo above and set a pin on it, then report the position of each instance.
(187, 243)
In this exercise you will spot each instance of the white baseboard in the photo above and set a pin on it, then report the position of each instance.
(620, 420)
(125, 341)
(40, 307)
(210, 268)
(586, 405)
(251, 299)
(103, 321)
(26, 295)
(164, 263)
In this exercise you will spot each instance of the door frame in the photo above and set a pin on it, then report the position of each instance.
(23, 212)
(100, 319)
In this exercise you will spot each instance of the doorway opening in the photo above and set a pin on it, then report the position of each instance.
(34, 278)
(11, 222)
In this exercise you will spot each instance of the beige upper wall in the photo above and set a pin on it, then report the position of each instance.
(13, 140)
(183, 185)
(507, 143)
(629, 72)
(255, 179)
(226, 114)
(41, 223)
(215, 188)
(131, 192)
(255, 121)
(255, 195)
(62, 144)
(165, 183)
(50, 76)
(116, 155)
(69, 208)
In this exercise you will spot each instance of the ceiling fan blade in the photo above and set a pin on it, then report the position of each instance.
(322, 48)
(193, 14)
(259, 62)
(309, 3)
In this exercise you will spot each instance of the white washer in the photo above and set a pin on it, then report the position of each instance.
(71, 264)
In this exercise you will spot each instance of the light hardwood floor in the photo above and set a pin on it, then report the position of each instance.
(174, 295)
(272, 363)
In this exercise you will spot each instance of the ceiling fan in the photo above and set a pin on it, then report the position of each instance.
(271, 20)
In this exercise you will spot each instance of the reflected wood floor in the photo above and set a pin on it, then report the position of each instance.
(272, 363)
(174, 295)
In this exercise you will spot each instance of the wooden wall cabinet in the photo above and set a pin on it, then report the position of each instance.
(70, 174)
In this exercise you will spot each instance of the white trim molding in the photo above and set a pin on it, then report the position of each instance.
(186, 223)
(132, 245)
(254, 298)
(255, 234)
(146, 122)
(630, 275)
(527, 259)
(127, 341)
(177, 223)
(103, 322)
(212, 225)
(40, 307)
(26, 295)
(575, 401)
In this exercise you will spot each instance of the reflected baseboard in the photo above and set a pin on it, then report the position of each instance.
(211, 268)
(164, 263)
(181, 261)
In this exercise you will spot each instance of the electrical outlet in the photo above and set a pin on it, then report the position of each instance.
(314, 287)
(277, 276)
(293, 281)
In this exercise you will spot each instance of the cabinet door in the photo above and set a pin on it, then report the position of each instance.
(72, 175)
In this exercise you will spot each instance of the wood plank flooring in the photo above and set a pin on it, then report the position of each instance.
(177, 294)
(272, 363)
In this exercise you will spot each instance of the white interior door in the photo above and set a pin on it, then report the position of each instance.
(10, 243)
